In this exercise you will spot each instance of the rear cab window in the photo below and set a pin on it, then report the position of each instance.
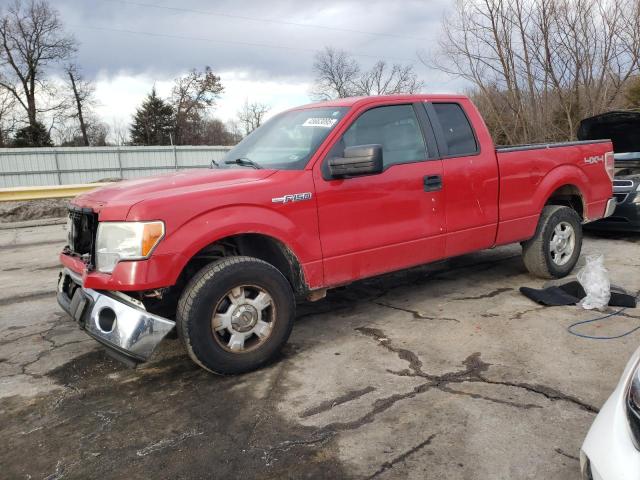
(457, 132)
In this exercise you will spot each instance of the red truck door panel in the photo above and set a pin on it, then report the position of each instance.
(470, 175)
(392, 220)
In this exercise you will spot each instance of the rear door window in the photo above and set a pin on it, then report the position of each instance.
(457, 131)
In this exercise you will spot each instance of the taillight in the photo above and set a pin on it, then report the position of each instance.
(609, 164)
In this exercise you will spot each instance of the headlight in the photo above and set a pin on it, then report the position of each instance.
(118, 241)
(633, 406)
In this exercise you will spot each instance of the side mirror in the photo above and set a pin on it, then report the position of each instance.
(358, 160)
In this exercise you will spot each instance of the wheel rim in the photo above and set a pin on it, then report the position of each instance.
(243, 319)
(562, 243)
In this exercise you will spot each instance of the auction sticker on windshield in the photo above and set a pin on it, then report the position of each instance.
(324, 122)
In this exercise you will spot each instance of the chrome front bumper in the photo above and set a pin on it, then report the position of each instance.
(114, 319)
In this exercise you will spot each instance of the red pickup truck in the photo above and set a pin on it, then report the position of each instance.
(318, 197)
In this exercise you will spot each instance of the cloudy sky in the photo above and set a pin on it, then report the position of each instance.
(263, 50)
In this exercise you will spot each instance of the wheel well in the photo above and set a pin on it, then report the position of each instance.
(569, 196)
(255, 245)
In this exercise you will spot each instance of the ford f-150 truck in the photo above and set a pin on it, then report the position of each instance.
(318, 197)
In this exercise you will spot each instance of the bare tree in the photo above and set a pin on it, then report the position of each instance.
(119, 132)
(338, 75)
(8, 120)
(385, 80)
(539, 66)
(97, 132)
(217, 133)
(234, 128)
(69, 135)
(83, 91)
(32, 38)
(633, 93)
(251, 115)
(191, 97)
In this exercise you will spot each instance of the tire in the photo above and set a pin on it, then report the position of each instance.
(554, 261)
(222, 314)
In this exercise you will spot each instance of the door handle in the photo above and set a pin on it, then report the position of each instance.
(432, 183)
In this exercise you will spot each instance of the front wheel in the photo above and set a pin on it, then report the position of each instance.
(555, 248)
(235, 315)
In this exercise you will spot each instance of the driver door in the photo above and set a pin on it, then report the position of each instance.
(388, 221)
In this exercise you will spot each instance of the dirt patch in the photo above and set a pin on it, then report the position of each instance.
(33, 209)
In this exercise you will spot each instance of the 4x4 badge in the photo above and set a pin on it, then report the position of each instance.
(293, 197)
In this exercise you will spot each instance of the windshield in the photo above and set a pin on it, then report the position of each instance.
(287, 141)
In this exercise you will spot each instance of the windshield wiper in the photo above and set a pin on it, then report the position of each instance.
(244, 162)
(214, 164)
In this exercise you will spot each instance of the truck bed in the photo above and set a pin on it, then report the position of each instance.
(529, 174)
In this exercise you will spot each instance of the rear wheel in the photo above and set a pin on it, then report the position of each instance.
(235, 315)
(555, 248)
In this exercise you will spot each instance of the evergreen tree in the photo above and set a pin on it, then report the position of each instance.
(153, 122)
(35, 135)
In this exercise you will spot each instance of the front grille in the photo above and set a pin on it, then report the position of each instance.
(83, 226)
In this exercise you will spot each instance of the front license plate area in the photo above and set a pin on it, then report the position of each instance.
(78, 306)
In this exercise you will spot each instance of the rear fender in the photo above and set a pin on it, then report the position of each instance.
(564, 175)
(524, 226)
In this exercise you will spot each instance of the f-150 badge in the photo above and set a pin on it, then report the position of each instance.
(293, 197)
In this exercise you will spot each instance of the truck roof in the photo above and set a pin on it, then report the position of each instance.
(353, 101)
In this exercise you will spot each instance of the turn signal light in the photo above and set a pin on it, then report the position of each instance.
(151, 235)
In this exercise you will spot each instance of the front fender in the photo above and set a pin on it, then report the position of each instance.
(295, 226)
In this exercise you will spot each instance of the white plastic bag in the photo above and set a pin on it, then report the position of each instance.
(594, 278)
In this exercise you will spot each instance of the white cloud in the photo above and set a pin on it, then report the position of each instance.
(263, 51)
(119, 96)
(279, 94)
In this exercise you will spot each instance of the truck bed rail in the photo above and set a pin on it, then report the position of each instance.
(534, 146)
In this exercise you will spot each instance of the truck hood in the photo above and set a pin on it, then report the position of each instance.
(123, 195)
(621, 127)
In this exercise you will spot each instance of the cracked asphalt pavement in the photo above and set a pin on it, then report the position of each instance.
(442, 371)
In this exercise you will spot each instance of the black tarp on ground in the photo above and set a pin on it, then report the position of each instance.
(572, 292)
